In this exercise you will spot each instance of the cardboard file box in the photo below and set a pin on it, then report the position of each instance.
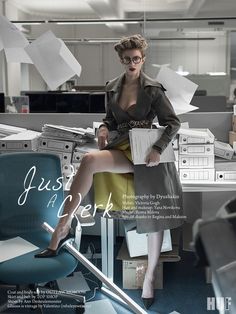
(204, 149)
(134, 274)
(195, 175)
(234, 120)
(232, 138)
(133, 269)
(223, 150)
(203, 161)
(137, 243)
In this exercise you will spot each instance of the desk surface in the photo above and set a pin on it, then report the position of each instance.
(213, 186)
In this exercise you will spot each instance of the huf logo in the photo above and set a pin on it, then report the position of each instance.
(219, 303)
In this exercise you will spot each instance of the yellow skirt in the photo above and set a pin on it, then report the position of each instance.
(115, 188)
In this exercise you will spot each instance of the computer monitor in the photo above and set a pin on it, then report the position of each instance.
(73, 102)
(41, 102)
(58, 102)
(97, 102)
(2, 103)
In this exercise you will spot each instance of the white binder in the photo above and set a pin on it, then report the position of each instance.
(196, 136)
(56, 145)
(203, 161)
(23, 141)
(223, 150)
(226, 176)
(196, 149)
(141, 142)
(195, 175)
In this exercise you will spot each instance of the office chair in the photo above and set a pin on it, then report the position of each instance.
(31, 192)
(214, 242)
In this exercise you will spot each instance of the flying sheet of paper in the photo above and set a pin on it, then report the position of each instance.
(13, 42)
(53, 60)
(15, 247)
(179, 90)
(141, 141)
(17, 55)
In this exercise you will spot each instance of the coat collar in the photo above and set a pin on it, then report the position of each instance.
(115, 84)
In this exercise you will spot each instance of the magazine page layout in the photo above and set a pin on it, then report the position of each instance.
(117, 159)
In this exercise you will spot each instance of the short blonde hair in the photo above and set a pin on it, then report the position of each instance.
(131, 42)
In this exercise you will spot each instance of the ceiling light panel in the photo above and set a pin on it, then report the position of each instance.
(54, 7)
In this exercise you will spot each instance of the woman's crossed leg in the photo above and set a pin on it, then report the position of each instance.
(98, 161)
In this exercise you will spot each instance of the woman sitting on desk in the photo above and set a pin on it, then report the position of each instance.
(133, 100)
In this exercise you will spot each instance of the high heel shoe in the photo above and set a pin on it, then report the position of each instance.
(147, 302)
(52, 253)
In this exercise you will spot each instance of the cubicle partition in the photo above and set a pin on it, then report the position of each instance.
(220, 123)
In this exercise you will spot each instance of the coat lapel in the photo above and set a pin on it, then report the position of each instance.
(144, 99)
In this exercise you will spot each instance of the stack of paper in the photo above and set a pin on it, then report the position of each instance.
(141, 142)
(67, 133)
(53, 60)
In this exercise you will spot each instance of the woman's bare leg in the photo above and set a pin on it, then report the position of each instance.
(155, 240)
(100, 161)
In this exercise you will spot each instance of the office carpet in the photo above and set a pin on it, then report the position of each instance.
(185, 290)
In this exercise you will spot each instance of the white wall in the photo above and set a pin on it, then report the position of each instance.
(13, 70)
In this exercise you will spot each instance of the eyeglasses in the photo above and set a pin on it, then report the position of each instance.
(135, 60)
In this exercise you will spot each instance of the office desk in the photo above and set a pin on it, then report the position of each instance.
(209, 186)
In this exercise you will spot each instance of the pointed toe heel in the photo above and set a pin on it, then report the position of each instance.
(147, 302)
(46, 253)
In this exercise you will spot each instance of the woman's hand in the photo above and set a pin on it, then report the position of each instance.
(102, 136)
(153, 158)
